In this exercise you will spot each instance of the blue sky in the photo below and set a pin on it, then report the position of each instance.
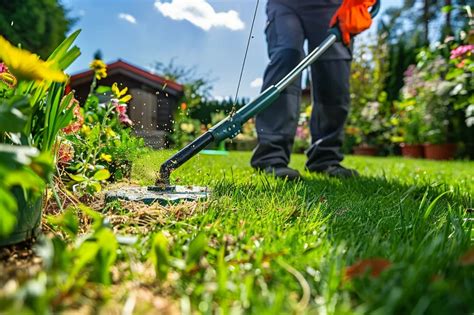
(212, 36)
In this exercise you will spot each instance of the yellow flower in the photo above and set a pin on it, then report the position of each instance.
(86, 130)
(109, 132)
(106, 157)
(119, 93)
(27, 66)
(8, 78)
(187, 127)
(100, 68)
(397, 139)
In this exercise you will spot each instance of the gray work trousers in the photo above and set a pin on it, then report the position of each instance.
(289, 24)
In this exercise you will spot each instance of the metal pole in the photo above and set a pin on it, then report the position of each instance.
(307, 61)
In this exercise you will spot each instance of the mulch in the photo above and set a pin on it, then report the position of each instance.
(18, 263)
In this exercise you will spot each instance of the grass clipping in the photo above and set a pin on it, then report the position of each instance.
(133, 217)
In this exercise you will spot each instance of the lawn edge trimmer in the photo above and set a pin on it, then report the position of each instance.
(229, 127)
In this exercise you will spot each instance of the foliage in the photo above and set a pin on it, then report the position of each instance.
(69, 263)
(445, 17)
(367, 123)
(437, 91)
(33, 109)
(186, 129)
(197, 87)
(36, 25)
(100, 141)
(401, 54)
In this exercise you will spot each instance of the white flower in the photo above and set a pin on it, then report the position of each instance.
(470, 110)
(470, 121)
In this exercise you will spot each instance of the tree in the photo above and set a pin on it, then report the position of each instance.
(98, 55)
(197, 88)
(404, 21)
(36, 25)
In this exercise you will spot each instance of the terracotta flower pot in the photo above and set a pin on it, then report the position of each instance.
(443, 151)
(365, 150)
(412, 150)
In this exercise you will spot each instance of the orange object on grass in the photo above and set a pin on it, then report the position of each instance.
(468, 258)
(375, 266)
(353, 17)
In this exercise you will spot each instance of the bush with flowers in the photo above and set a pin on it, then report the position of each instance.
(438, 95)
(367, 124)
(99, 144)
(186, 129)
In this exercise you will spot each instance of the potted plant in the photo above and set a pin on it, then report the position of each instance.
(24, 173)
(33, 110)
(441, 85)
(407, 125)
(368, 128)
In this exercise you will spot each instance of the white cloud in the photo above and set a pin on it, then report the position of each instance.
(127, 17)
(256, 83)
(200, 13)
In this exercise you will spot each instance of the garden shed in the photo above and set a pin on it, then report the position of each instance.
(154, 98)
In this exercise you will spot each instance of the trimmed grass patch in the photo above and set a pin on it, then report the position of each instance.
(268, 246)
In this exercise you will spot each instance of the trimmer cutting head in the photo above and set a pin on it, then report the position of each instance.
(164, 195)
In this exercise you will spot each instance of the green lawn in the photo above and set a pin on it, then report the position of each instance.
(269, 246)
(259, 245)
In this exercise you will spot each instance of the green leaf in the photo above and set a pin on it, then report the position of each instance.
(94, 215)
(67, 221)
(102, 175)
(8, 208)
(432, 205)
(196, 249)
(14, 155)
(11, 120)
(77, 178)
(102, 89)
(447, 8)
(83, 256)
(106, 256)
(96, 187)
(159, 256)
(64, 55)
(24, 178)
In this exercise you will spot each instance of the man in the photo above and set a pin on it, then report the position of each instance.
(290, 23)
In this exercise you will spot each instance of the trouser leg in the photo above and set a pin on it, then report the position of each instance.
(276, 126)
(330, 109)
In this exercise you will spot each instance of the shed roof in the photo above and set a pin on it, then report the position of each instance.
(133, 72)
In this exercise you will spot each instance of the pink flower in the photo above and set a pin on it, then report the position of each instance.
(410, 70)
(461, 51)
(65, 153)
(79, 119)
(3, 67)
(124, 119)
(121, 108)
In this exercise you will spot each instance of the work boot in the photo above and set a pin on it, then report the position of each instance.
(282, 171)
(339, 171)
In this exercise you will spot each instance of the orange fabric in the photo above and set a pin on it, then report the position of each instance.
(352, 17)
